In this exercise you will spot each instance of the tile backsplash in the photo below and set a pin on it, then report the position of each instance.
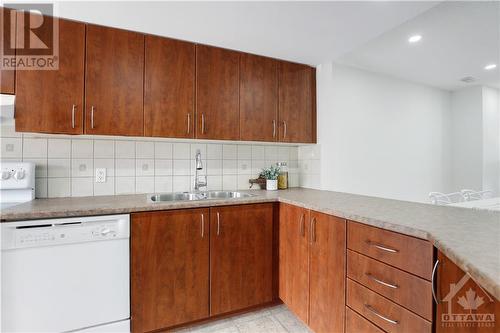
(65, 165)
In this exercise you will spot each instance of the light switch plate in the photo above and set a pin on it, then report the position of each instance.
(100, 175)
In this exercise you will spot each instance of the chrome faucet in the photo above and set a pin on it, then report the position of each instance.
(199, 166)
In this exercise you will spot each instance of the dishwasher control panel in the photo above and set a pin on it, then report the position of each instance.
(64, 231)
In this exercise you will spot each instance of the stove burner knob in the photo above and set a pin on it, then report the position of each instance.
(19, 174)
(5, 175)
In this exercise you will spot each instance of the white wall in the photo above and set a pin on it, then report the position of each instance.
(467, 136)
(382, 136)
(491, 140)
(476, 139)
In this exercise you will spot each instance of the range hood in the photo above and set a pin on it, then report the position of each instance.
(7, 106)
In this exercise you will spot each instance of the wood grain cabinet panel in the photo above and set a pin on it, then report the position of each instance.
(407, 253)
(294, 259)
(7, 77)
(169, 88)
(51, 101)
(388, 315)
(217, 93)
(462, 302)
(258, 98)
(327, 273)
(114, 82)
(169, 268)
(357, 324)
(241, 257)
(410, 291)
(297, 111)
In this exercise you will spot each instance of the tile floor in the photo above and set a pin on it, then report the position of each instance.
(277, 319)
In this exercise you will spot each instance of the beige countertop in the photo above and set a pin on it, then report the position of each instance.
(469, 237)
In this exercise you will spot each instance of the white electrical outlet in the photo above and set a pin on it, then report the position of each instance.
(100, 175)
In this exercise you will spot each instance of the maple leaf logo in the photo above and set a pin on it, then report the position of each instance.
(470, 301)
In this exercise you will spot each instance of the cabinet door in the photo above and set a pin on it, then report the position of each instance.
(169, 88)
(241, 257)
(327, 273)
(8, 21)
(51, 101)
(217, 93)
(297, 112)
(114, 82)
(258, 98)
(169, 268)
(462, 302)
(294, 259)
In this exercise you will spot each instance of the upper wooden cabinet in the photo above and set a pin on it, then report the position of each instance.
(169, 88)
(217, 93)
(7, 77)
(114, 82)
(258, 98)
(51, 101)
(297, 103)
(241, 257)
(169, 268)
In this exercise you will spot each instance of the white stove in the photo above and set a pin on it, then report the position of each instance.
(17, 183)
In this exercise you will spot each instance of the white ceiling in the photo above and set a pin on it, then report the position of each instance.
(458, 40)
(307, 32)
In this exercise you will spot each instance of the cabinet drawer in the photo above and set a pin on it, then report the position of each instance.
(382, 312)
(408, 253)
(355, 323)
(405, 289)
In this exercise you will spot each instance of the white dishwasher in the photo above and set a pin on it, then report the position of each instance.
(69, 274)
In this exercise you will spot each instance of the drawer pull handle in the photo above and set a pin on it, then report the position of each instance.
(372, 310)
(390, 285)
(381, 247)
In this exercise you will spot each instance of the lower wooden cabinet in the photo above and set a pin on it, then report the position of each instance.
(190, 264)
(294, 259)
(327, 273)
(169, 268)
(463, 306)
(241, 257)
(355, 323)
(312, 267)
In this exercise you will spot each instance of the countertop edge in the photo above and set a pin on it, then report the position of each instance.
(487, 282)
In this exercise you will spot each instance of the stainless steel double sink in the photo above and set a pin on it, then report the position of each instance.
(194, 196)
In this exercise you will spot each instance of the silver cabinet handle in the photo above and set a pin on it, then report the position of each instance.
(387, 284)
(274, 128)
(202, 123)
(284, 129)
(303, 225)
(218, 224)
(433, 283)
(202, 225)
(313, 230)
(73, 109)
(188, 123)
(381, 247)
(92, 117)
(372, 310)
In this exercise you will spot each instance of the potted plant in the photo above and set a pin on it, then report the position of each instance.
(271, 176)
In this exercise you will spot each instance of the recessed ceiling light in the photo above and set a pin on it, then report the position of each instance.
(414, 39)
(490, 67)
